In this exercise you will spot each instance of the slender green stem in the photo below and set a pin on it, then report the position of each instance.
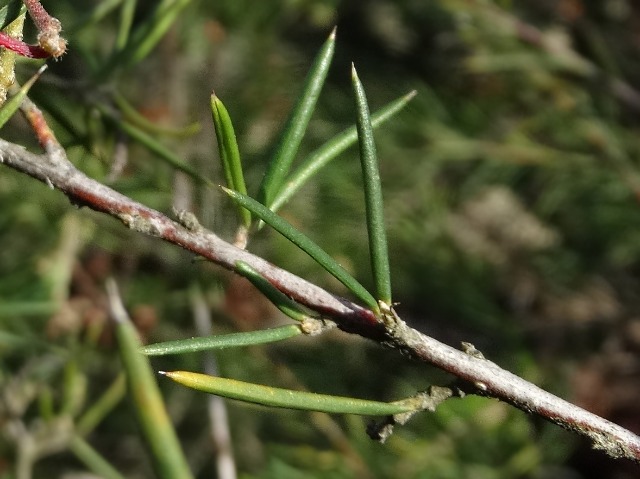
(18, 342)
(154, 146)
(131, 115)
(168, 459)
(92, 459)
(28, 308)
(46, 408)
(305, 244)
(103, 406)
(233, 340)
(296, 124)
(73, 389)
(286, 398)
(373, 195)
(331, 149)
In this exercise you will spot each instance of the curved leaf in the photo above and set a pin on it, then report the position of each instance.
(286, 398)
(305, 244)
(331, 149)
(13, 104)
(297, 123)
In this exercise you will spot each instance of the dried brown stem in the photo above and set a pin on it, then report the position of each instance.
(482, 376)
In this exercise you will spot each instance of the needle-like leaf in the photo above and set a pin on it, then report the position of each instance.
(127, 12)
(145, 37)
(132, 116)
(296, 124)
(373, 195)
(13, 104)
(101, 407)
(286, 398)
(229, 153)
(92, 459)
(331, 149)
(305, 244)
(233, 340)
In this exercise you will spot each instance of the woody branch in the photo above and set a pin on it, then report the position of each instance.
(479, 375)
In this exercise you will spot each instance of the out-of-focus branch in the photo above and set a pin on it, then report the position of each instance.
(217, 409)
(479, 375)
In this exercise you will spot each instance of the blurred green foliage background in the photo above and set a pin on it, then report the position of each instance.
(512, 199)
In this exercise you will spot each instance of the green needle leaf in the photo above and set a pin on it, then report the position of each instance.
(286, 398)
(126, 20)
(229, 153)
(144, 38)
(92, 459)
(154, 146)
(305, 244)
(373, 195)
(332, 148)
(101, 407)
(233, 340)
(132, 116)
(143, 388)
(13, 104)
(297, 124)
(278, 298)
(94, 16)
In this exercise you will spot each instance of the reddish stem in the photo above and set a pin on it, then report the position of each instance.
(22, 48)
(49, 29)
(44, 22)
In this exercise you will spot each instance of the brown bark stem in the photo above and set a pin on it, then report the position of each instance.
(485, 377)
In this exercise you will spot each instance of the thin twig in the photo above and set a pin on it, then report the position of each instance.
(49, 29)
(44, 134)
(483, 376)
(21, 48)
